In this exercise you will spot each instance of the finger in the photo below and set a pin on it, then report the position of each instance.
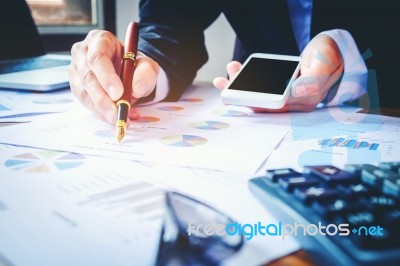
(78, 54)
(83, 97)
(308, 86)
(316, 85)
(296, 107)
(232, 68)
(220, 83)
(103, 51)
(100, 101)
(314, 77)
(145, 77)
(133, 113)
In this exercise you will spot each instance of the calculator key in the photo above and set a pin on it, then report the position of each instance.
(317, 193)
(331, 174)
(291, 182)
(391, 220)
(331, 208)
(357, 168)
(375, 178)
(391, 185)
(379, 203)
(275, 174)
(392, 166)
(360, 218)
(354, 191)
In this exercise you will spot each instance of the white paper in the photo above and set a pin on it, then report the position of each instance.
(58, 208)
(197, 131)
(379, 135)
(16, 106)
(54, 204)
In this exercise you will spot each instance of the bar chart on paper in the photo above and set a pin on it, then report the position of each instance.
(348, 143)
(113, 197)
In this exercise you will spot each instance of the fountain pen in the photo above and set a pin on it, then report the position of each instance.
(126, 75)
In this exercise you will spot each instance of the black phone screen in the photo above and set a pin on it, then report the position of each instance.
(265, 75)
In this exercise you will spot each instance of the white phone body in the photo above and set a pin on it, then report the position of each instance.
(263, 81)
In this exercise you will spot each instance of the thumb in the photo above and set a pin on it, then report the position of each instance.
(314, 73)
(145, 77)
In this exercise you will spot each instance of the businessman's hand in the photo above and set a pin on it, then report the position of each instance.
(94, 70)
(322, 66)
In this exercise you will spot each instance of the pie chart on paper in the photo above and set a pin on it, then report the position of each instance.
(209, 125)
(183, 140)
(229, 113)
(44, 161)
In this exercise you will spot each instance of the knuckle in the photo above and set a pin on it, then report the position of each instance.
(95, 57)
(93, 33)
(98, 98)
(88, 77)
(76, 47)
(101, 35)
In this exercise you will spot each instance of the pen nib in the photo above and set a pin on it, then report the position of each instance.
(120, 134)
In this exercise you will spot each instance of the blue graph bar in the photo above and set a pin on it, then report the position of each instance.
(348, 143)
(374, 146)
(351, 143)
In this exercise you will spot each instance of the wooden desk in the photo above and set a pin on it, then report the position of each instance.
(299, 258)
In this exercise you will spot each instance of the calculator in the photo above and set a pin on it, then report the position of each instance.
(352, 214)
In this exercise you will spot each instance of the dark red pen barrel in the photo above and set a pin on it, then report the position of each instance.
(129, 60)
(127, 69)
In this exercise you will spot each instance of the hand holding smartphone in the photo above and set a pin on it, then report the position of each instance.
(264, 81)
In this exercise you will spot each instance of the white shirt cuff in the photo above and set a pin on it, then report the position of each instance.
(355, 74)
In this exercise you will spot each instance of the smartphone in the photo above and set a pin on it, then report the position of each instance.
(264, 81)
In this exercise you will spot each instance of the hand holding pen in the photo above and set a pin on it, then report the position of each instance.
(95, 79)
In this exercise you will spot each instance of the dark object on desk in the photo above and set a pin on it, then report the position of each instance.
(177, 247)
(24, 65)
(365, 197)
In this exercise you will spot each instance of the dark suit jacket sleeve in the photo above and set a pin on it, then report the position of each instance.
(172, 34)
(375, 28)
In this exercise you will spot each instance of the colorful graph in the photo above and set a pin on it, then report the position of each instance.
(183, 140)
(170, 108)
(209, 125)
(146, 119)
(4, 108)
(191, 100)
(44, 161)
(229, 113)
(52, 101)
(348, 143)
